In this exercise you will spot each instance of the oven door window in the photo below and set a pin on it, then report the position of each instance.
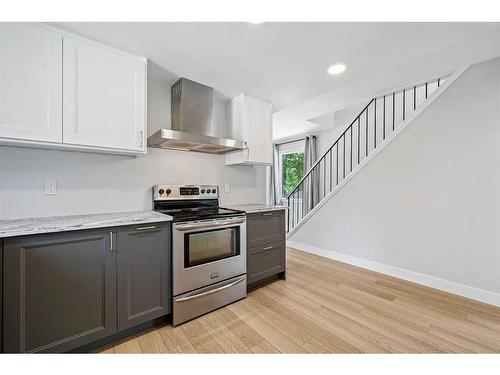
(211, 245)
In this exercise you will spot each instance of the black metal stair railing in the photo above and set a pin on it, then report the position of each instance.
(375, 123)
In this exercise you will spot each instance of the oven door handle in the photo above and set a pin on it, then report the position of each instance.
(208, 225)
(208, 292)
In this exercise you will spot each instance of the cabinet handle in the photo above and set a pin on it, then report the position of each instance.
(146, 228)
(111, 241)
(267, 248)
(267, 214)
(141, 139)
(221, 288)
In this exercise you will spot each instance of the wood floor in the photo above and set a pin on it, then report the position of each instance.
(326, 306)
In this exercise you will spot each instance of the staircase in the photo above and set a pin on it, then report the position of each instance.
(376, 124)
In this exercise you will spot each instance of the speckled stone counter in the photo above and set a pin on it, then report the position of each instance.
(255, 207)
(53, 224)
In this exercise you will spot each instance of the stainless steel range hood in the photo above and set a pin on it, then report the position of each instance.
(192, 122)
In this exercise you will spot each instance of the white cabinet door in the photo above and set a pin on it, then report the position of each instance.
(30, 83)
(260, 146)
(104, 97)
(251, 121)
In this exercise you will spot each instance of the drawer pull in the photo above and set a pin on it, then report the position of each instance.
(146, 228)
(267, 248)
(111, 241)
(212, 291)
(267, 214)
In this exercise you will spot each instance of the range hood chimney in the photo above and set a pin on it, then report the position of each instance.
(192, 122)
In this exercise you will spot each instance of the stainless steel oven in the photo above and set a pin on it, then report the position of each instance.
(208, 251)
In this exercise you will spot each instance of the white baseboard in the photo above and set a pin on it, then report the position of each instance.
(467, 291)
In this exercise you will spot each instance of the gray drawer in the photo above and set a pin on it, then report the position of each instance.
(265, 261)
(265, 228)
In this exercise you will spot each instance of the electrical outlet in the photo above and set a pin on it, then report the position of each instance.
(227, 188)
(50, 187)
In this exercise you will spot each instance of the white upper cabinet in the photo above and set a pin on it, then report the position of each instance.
(104, 97)
(61, 91)
(251, 121)
(30, 83)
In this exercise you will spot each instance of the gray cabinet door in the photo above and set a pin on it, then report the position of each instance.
(266, 254)
(265, 261)
(143, 266)
(265, 228)
(59, 291)
(1, 297)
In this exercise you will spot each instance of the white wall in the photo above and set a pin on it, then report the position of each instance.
(158, 106)
(325, 139)
(341, 120)
(97, 183)
(429, 203)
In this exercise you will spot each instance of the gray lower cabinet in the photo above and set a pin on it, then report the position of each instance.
(66, 290)
(266, 247)
(265, 261)
(143, 277)
(59, 291)
(265, 227)
(1, 295)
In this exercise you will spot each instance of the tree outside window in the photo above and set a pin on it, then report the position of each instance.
(292, 171)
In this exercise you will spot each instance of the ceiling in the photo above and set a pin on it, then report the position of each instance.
(315, 114)
(284, 63)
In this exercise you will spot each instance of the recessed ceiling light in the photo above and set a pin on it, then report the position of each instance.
(336, 68)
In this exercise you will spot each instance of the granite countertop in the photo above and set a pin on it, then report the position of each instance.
(53, 224)
(255, 207)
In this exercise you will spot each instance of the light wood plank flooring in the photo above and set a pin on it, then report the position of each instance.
(326, 306)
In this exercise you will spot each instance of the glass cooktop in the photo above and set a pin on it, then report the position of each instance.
(198, 213)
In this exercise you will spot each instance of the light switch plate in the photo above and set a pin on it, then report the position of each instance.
(50, 187)
(227, 188)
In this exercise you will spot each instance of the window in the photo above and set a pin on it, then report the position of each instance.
(291, 166)
(292, 172)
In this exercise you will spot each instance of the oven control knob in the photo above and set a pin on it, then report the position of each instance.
(202, 191)
(161, 191)
(168, 191)
(213, 191)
